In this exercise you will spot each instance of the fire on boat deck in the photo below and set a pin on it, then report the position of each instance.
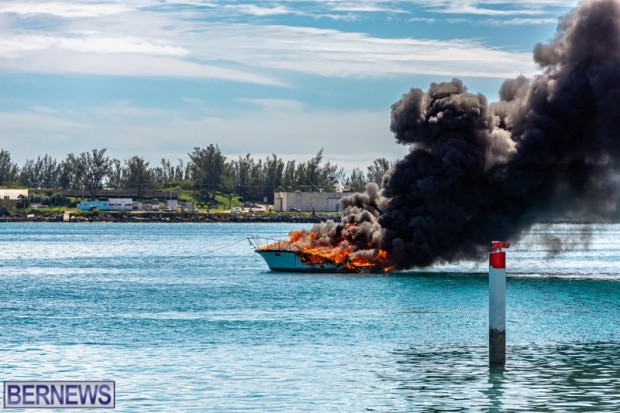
(284, 256)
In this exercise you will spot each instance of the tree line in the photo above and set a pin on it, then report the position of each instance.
(207, 172)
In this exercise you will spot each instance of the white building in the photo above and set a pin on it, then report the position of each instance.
(121, 204)
(172, 204)
(148, 205)
(13, 194)
(308, 201)
(186, 206)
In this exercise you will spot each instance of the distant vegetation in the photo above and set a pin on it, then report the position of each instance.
(208, 177)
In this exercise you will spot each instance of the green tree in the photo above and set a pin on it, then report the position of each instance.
(70, 173)
(274, 168)
(116, 175)
(42, 173)
(288, 177)
(138, 176)
(29, 176)
(257, 180)
(356, 182)
(313, 170)
(8, 170)
(48, 172)
(330, 177)
(180, 171)
(241, 169)
(314, 176)
(301, 177)
(377, 170)
(228, 182)
(93, 166)
(208, 168)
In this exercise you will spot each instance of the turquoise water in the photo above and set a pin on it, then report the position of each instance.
(186, 318)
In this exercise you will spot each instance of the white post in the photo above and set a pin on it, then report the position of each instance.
(497, 303)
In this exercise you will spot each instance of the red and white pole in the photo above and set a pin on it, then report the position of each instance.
(497, 303)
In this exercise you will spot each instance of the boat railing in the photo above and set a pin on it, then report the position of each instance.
(262, 243)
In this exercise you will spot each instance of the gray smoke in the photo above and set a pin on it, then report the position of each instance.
(358, 229)
(477, 172)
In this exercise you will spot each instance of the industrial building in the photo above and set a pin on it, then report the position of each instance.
(308, 201)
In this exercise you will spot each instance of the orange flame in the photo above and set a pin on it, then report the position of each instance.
(342, 253)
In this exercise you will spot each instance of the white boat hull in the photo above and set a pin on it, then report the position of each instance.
(289, 261)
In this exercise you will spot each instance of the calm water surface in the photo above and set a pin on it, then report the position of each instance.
(186, 318)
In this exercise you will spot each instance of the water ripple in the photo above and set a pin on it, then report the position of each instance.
(183, 330)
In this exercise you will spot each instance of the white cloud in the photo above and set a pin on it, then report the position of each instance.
(58, 62)
(461, 9)
(64, 9)
(42, 109)
(255, 10)
(328, 52)
(85, 43)
(494, 7)
(521, 21)
(267, 8)
(274, 104)
(423, 19)
(180, 43)
(368, 7)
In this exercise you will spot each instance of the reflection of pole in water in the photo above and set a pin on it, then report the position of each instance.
(495, 391)
(497, 303)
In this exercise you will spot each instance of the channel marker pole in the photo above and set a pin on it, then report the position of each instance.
(497, 303)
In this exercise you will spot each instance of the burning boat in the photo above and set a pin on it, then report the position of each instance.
(350, 245)
(292, 256)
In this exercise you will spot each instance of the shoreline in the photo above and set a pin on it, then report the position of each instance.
(147, 217)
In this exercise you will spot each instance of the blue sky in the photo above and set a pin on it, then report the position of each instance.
(157, 78)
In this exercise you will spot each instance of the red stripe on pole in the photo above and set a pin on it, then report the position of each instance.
(497, 259)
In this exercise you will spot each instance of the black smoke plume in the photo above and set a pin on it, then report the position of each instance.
(548, 149)
(476, 171)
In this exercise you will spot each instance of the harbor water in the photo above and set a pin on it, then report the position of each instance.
(187, 318)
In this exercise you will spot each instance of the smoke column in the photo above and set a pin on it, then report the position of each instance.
(476, 171)
(548, 149)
